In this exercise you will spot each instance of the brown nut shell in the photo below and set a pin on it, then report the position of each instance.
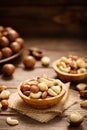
(83, 93)
(29, 62)
(4, 104)
(7, 52)
(8, 69)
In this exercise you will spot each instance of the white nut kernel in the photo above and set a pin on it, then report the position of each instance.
(84, 103)
(51, 92)
(81, 86)
(81, 70)
(80, 63)
(57, 82)
(49, 83)
(56, 89)
(35, 95)
(75, 116)
(12, 121)
(66, 70)
(0, 106)
(43, 86)
(45, 61)
(5, 94)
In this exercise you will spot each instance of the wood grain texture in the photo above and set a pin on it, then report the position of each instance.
(54, 48)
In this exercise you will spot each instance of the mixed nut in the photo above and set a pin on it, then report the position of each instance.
(41, 87)
(72, 64)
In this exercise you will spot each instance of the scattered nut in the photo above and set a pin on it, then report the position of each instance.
(4, 104)
(36, 52)
(45, 61)
(4, 94)
(83, 93)
(84, 104)
(75, 118)
(12, 121)
(8, 69)
(81, 86)
(29, 62)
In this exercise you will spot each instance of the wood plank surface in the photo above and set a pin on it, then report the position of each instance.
(54, 48)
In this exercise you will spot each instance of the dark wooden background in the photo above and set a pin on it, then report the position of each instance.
(45, 17)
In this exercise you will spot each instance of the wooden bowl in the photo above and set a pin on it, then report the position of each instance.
(68, 77)
(41, 103)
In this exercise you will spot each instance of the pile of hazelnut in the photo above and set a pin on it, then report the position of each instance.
(4, 96)
(10, 42)
(72, 64)
(41, 87)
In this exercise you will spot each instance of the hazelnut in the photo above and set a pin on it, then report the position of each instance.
(29, 62)
(75, 118)
(44, 94)
(12, 35)
(8, 69)
(34, 88)
(45, 61)
(2, 88)
(26, 93)
(84, 104)
(4, 41)
(15, 46)
(25, 88)
(7, 52)
(4, 104)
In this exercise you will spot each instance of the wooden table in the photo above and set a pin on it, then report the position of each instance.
(54, 48)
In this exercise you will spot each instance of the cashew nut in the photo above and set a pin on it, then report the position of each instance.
(49, 83)
(4, 94)
(57, 82)
(63, 64)
(43, 86)
(12, 121)
(51, 92)
(67, 69)
(35, 95)
(56, 89)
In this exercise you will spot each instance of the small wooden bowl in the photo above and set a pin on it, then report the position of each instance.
(68, 77)
(41, 103)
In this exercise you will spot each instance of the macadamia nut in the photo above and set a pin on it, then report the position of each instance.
(45, 61)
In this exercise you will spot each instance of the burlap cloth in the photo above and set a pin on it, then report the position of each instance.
(70, 98)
